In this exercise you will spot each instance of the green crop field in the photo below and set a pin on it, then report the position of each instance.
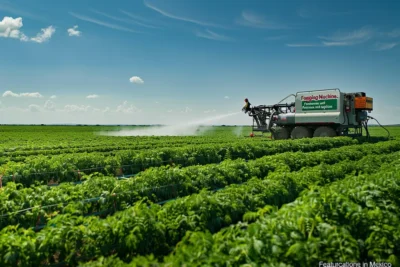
(71, 196)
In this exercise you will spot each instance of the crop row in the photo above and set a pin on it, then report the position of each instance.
(19, 154)
(355, 220)
(64, 168)
(29, 206)
(144, 229)
(104, 150)
(35, 142)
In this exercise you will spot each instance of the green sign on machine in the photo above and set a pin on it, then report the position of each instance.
(330, 104)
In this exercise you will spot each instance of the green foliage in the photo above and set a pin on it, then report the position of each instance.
(154, 229)
(230, 201)
(99, 193)
(330, 223)
(43, 169)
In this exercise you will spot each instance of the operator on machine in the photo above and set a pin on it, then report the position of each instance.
(246, 107)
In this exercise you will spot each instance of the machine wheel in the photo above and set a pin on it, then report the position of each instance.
(325, 131)
(280, 134)
(301, 132)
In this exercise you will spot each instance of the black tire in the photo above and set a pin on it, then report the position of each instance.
(325, 131)
(301, 132)
(280, 134)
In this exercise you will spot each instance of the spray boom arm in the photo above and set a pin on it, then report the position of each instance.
(265, 115)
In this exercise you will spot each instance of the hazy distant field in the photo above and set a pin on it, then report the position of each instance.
(11, 133)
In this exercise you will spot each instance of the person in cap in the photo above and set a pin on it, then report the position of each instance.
(246, 107)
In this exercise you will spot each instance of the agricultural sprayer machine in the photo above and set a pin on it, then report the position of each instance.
(319, 113)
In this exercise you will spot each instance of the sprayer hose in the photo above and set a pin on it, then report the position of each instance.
(380, 126)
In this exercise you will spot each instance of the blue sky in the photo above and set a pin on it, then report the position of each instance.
(159, 61)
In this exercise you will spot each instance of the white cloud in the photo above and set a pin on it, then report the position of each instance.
(172, 16)
(76, 108)
(136, 79)
(130, 21)
(302, 45)
(275, 38)
(395, 33)
(385, 46)
(107, 109)
(210, 111)
(213, 36)
(336, 43)
(226, 97)
(49, 105)
(102, 23)
(44, 35)
(348, 38)
(11, 28)
(92, 96)
(34, 108)
(35, 95)
(341, 38)
(53, 97)
(144, 23)
(126, 108)
(251, 19)
(187, 110)
(74, 31)
(11, 94)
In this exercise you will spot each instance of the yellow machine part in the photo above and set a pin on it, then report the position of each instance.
(363, 102)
